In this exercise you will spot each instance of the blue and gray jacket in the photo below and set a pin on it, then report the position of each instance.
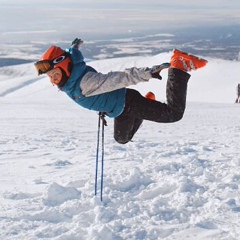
(97, 91)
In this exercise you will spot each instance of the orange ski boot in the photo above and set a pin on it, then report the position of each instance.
(186, 62)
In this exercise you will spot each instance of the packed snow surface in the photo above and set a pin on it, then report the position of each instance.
(174, 181)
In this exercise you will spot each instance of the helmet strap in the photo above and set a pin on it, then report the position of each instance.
(64, 78)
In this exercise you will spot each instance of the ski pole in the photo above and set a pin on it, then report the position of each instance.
(101, 196)
(97, 152)
(104, 123)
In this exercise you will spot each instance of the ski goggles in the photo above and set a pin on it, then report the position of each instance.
(43, 66)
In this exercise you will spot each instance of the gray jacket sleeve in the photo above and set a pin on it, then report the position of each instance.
(97, 83)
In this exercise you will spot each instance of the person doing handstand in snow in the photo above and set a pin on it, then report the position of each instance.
(108, 93)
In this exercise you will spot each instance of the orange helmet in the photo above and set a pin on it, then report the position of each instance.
(54, 57)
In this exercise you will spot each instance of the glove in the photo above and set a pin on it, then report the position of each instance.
(77, 42)
(155, 70)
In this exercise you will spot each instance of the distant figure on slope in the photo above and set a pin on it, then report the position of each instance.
(108, 93)
(238, 94)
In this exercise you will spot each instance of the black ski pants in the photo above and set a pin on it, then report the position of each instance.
(138, 108)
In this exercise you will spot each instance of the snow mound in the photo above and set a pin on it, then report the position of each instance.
(57, 194)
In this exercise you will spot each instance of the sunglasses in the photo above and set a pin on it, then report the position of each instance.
(44, 66)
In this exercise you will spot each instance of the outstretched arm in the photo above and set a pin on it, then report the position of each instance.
(98, 83)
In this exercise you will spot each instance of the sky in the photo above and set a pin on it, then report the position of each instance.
(95, 18)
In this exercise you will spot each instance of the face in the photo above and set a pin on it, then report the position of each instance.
(55, 76)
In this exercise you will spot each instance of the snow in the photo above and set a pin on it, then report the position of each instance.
(174, 181)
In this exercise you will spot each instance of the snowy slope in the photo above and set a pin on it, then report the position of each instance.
(174, 181)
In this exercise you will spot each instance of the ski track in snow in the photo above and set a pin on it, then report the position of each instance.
(174, 181)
